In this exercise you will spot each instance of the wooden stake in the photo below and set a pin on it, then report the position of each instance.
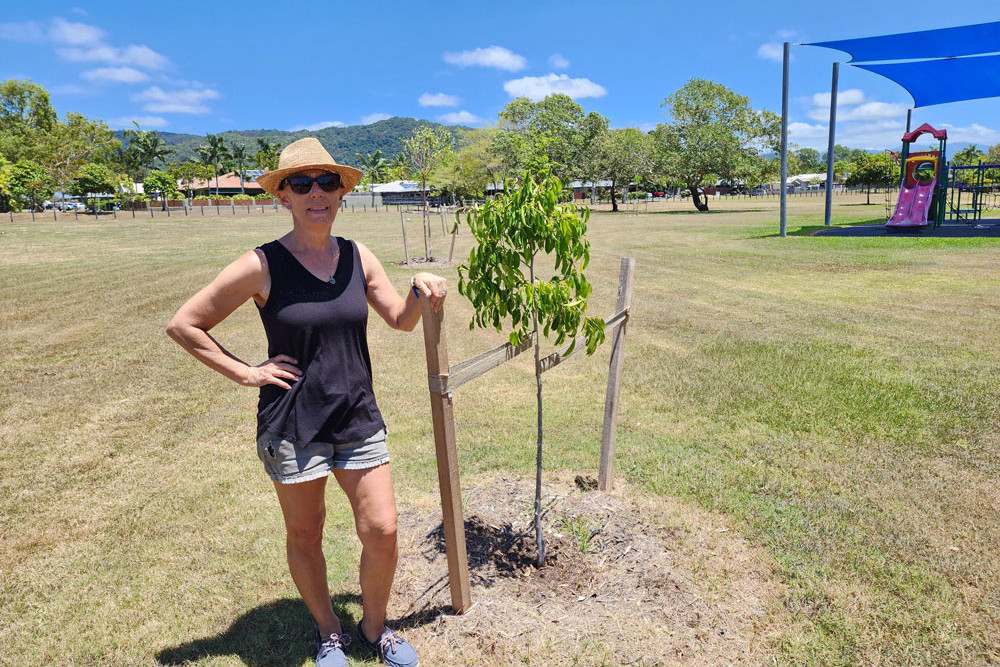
(443, 416)
(406, 249)
(606, 471)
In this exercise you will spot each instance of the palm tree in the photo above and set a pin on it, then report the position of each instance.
(213, 153)
(267, 153)
(144, 148)
(375, 168)
(238, 151)
(400, 167)
(152, 148)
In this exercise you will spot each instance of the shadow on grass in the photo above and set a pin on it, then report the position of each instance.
(280, 633)
(691, 211)
(812, 230)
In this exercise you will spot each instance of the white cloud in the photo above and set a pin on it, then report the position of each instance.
(556, 61)
(460, 118)
(805, 134)
(974, 134)
(138, 56)
(31, 31)
(438, 100)
(322, 125)
(787, 35)
(145, 122)
(771, 51)
(79, 10)
(849, 97)
(115, 75)
(74, 34)
(190, 100)
(538, 87)
(374, 118)
(491, 56)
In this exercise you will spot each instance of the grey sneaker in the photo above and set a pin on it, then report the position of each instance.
(391, 649)
(330, 651)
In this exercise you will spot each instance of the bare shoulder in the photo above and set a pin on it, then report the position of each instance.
(368, 259)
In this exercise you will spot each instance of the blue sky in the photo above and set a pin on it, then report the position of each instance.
(206, 67)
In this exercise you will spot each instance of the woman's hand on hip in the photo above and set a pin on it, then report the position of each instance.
(432, 287)
(278, 370)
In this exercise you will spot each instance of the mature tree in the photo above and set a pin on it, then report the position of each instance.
(267, 154)
(501, 280)
(569, 134)
(712, 133)
(29, 184)
(809, 161)
(186, 173)
(625, 155)
(840, 154)
(471, 169)
(238, 153)
(873, 170)
(162, 183)
(74, 143)
(25, 116)
(214, 152)
(400, 168)
(993, 155)
(427, 148)
(375, 168)
(146, 147)
(93, 179)
(968, 156)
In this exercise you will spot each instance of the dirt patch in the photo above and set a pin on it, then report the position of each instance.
(628, 580)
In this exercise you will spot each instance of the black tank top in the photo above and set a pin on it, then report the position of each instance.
(324, 327)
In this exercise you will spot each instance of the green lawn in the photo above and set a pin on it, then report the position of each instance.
(835, 398)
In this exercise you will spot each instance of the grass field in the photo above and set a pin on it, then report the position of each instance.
(834, 399)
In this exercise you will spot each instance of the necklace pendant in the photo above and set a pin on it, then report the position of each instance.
(332, 281)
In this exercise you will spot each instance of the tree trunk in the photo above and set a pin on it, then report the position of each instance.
(869, 193)
(539, 537)
(614, 204)
(696, 198)
(426, 221)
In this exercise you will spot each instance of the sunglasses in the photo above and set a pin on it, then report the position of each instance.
(303, 184)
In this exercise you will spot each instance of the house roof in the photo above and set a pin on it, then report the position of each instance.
(397, 186)
(230, 181)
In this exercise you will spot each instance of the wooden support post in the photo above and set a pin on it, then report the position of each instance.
(607, 466)
(443, 416)
(406, 248)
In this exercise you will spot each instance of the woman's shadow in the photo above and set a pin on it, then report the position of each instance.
(278, 634)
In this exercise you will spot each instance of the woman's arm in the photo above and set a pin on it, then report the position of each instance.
(244, 279)
(399, 312)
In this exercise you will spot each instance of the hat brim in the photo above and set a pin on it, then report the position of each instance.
(270, 181)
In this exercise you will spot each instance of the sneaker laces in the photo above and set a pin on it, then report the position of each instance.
(332, 642)
(389, 641)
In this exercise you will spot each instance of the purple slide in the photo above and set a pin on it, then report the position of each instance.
(913, 204)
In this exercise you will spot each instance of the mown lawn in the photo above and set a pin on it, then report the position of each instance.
(835, 398)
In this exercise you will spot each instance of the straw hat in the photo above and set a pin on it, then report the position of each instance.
(303, 155)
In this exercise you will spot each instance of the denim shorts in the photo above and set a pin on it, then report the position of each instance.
(289, 463)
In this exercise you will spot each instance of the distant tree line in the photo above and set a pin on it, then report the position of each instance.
(710, 135)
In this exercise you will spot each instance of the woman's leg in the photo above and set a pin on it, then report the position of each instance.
(304, 508)
(370, 493)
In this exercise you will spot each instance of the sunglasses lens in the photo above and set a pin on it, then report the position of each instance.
(329, 182)
(303, 184)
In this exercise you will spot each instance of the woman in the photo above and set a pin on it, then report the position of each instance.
(317, 414)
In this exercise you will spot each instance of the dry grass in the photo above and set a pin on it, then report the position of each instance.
(831, 401)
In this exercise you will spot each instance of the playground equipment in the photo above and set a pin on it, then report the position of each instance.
(976, 182)
(923, 184)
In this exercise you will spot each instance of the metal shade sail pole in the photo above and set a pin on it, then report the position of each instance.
(784, 135)
(830, 144)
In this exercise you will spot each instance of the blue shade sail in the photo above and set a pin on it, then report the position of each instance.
(949, 80)
(963, 40)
